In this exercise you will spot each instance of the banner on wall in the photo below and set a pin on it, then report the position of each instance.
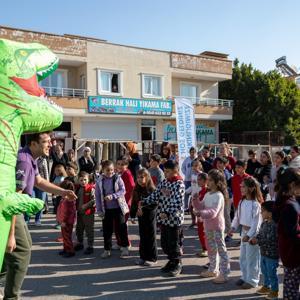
(129, 106)
(186, 129)
(205, 133)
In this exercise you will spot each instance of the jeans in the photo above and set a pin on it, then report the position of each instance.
(43, 196)
(250, 262)
(269, 270)
(37, 193)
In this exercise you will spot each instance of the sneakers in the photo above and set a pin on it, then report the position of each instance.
(78, 247)
(88, 251)
(247, 286)
(263, 291)
(57, 226)
(220, 279)
(272, 295)
(202, 254)
(115, 247)
(208, 274)
(166, 267)
(61, 252)
(240, 282)
(124, 252)
(106, 254)
(175, 269)
(38, 223)
(150, 263)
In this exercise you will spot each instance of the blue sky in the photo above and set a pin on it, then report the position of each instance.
(254, 31)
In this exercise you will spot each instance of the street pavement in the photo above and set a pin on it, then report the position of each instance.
(51, 276)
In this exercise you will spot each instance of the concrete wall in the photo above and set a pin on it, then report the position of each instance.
(207, 89)
(132, 62)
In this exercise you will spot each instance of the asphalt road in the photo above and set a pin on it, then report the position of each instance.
(90, 277)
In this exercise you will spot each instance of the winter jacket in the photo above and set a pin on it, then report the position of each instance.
(66, 212)
(267, 239)
(212, 211)
(169, 196)
(129, 185)
(119, 194)
(287, 214)
(88, 198)
(236, 181)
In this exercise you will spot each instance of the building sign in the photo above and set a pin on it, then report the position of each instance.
(129, 106)
(205, 133)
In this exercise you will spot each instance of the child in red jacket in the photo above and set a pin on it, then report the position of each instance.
(202, 182)
(66, 216)
(236, 181)
(85, 193)
(122, 169)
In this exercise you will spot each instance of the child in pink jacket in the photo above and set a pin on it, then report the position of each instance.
(211, 210)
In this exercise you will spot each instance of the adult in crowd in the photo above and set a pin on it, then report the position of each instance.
(167, 152)
(87, 162)
(295, 157)
(252, 163)
(278, 162)
(71, 156)
(43, 168)
(205, 158)
(19, 243)
(133, 158)
(225, 151)
(287, 214)
(58, 157)
(265, 168)
(186, 169)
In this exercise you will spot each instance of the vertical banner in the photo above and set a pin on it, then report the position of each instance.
(186, 128)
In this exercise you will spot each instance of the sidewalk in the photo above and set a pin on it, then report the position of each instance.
(90, 277)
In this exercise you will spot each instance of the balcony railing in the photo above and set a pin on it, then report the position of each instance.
(65, 92)
(209, 101)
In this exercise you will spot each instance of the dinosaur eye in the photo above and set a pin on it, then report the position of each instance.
(23, 53)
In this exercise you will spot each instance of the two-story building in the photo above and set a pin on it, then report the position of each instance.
(118, 92)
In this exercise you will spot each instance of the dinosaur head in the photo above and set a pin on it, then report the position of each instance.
(21, 67)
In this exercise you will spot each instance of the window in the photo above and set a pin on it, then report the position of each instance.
(59, 79)
(152, 86)
(188, 90)
(148, 130)
(109, 82)
(82, 82)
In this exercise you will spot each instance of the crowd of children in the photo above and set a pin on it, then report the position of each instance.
(221, 202)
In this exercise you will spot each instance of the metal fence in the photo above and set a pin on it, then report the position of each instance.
(209, 101)
(275, 138)
(66, 92)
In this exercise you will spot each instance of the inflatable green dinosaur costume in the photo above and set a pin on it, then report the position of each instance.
(23, 109)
